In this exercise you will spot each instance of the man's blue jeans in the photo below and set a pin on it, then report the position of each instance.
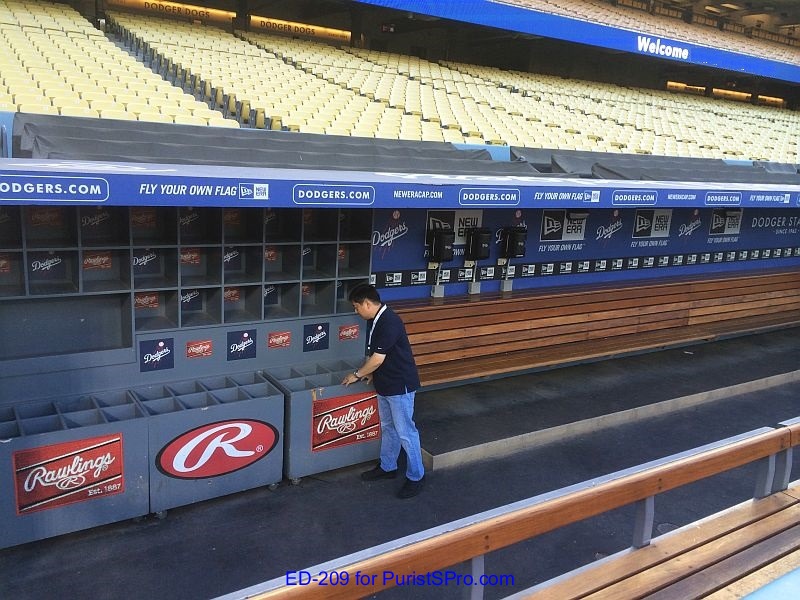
(398, 430)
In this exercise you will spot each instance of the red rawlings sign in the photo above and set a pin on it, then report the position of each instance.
(232, 217)
(190, 256)
(217, 449)
(97, 261)
(45, 216)
(5, 263)
(144, 217)
(279, 339)
(199, 348)
(145, 300)
(348, 332)
(345, 420)
(52, 476)
(232, 294)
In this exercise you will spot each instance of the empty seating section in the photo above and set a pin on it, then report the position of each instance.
(56, 62)
(598, 11)
(318, 88)
(583, 115)
(200, 74)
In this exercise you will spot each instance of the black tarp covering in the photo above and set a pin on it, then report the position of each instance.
(606, 165)
(74, 138)
(669, 170)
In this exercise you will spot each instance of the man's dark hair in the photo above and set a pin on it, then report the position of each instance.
(363, 292)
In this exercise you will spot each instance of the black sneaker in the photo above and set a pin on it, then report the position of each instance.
(411, 488)
(378, 473)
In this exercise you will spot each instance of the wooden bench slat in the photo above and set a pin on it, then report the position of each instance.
(517, 311)
(607, 572)
(467, 338)
(419, 310)
(545, 357)
(732, 568)
(646, 582)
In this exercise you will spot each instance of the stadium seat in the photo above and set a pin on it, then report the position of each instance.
(111, 113)
(156, 117)
(183, 119)
(78, 111)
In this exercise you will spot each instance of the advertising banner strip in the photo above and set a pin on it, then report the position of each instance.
(505, 15)
(123, 184)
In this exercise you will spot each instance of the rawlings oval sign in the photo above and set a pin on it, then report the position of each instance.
(217, 449)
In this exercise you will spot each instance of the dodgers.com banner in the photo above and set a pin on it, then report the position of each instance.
(123, 184)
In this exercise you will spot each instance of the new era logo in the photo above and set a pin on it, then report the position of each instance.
(254, 191)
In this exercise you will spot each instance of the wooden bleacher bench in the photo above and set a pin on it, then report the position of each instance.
(465, 339)
(692, 562)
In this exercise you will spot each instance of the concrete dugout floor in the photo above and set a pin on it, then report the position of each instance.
(218, 546)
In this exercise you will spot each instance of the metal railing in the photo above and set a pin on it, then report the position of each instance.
(470, 539)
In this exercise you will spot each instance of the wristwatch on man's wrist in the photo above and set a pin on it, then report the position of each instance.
(356, 374)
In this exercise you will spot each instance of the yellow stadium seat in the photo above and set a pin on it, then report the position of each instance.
(121, 115)
(31, 98)
(104, 104)
(155, 117)
(42, 109)
(78, 111)
(64, 101)
(190, 120)
(138, 107)
(93, 94)
(222, 122)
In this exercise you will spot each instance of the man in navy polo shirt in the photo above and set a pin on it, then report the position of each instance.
(390, 365)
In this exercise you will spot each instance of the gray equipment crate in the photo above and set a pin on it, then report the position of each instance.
(328, 425)
(212, 437)
(71, 464)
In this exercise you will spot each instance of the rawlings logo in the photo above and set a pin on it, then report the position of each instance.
(281, 339)
(143, 217)
(199, 349)
(347, 422)
(145, 300)
(45, 217)
(70, 476)
(51, 476)
(190, 256)
(97, 260)
(217, 449)
(348, 332)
